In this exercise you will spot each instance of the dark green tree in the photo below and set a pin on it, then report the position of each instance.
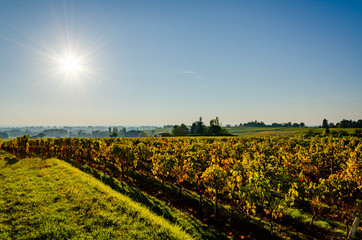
(180, 130)
(4, 135)
(193, 129)
(122, 132)
(198, 128)
(359, 123)
(214, 129)
(325, 123)
(326, 126)
(113, 134)
(40, 135)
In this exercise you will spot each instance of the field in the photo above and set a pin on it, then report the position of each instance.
(50, 199)
(270, 131)
(248, 188)
(265, 131)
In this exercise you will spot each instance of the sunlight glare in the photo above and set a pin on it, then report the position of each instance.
(71, 65)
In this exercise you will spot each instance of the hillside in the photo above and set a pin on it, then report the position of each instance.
(252, 188)
(247, 131)
(50, 199)
(283, 131)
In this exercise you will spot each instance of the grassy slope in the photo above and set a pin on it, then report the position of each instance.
(281, 131)
(264, 131)
(45, 199)
(158, 131)
(267, 131)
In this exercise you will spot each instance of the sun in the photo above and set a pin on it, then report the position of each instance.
(71, 65)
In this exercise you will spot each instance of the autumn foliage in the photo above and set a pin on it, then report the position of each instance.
(259, 175)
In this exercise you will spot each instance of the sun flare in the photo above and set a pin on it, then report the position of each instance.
(71, 65)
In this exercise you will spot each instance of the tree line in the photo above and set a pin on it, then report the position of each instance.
(342, 124)
(198, 128)
(81, 133)
(262, 124)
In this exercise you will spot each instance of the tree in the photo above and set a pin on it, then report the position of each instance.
(193, 129)
(215, 129)
(302, 124)
(325, 123)
(215, 122)
(122, 132)
(3, 135)
(276, 125)
(359, 123)
(327, 131)
(289, 124)
(349, 124)
(40, 135)
(198, 128)
(255, 124)
(113, 134)
(180, 130)
(81, 134)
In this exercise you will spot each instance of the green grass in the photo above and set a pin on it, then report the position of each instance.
(264, 131)
(50, 199)
(282, 131)
(192, 226)
(158, 131)
(335, 227)
(271, 131)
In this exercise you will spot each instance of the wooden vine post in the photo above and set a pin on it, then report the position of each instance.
(352, 233)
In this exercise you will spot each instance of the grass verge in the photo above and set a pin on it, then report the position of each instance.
(50, 199)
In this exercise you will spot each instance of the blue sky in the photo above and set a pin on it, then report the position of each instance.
(169, 62)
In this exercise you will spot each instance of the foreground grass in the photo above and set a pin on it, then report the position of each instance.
(138, 191)
(50, 199)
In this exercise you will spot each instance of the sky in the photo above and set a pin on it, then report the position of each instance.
(130, 63)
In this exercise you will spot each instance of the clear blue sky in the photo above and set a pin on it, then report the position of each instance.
(169, 62)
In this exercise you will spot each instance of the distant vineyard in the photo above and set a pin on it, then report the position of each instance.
(256, 176)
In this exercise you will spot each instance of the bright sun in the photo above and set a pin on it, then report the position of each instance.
(71, 65)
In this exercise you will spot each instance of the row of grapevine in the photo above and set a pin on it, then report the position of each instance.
(254, 175)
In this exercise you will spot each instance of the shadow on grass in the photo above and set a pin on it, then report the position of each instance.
(190, 225)
(11, 160)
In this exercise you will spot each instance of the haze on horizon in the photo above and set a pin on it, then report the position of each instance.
(128, 63)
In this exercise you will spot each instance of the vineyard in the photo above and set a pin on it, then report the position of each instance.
(260, 177)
